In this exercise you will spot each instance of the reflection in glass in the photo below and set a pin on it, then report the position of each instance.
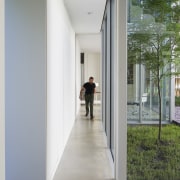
(147, 38)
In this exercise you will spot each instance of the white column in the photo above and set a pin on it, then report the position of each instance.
(25, 81)
(2, 104)
(121, 92)
(172, 99)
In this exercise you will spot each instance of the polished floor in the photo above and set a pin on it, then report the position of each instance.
(86, 156)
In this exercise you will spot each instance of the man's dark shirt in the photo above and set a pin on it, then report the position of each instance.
(89, 88)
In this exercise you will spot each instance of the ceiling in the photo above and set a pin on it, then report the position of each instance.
(86, 17)
(90, 42)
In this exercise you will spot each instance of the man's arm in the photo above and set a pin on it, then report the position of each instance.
(81, 93)
(82, 89)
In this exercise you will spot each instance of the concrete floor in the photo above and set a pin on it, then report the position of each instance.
(86, 154)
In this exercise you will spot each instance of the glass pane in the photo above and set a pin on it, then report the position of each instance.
(133, 100)
(150, 39)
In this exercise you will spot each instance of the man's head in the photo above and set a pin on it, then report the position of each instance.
(91, 79)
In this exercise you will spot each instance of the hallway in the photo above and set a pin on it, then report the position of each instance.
(86, 154)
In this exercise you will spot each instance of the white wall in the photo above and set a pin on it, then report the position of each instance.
(92, 67)
(25, 99)
(60, 82)
(78, 75)
(2, 117)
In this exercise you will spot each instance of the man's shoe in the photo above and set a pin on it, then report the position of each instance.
(92, 117)
(86, 114)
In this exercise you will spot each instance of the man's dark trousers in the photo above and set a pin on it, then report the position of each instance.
(89, 98)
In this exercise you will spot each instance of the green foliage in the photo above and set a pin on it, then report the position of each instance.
(154, 41)
(149, 159)
(177, 101)
(156, 51)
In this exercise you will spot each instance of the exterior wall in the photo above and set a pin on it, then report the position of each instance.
(2, 104)
(61, 81)
(25, 83)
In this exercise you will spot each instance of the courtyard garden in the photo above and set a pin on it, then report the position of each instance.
(151, 159)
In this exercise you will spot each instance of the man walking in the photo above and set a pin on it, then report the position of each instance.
(90, 89)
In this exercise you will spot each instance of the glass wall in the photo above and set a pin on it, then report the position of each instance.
(107, 70)
(114, 75)
(177, 83)
(149, 51)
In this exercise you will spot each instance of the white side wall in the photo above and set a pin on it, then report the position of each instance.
(2, 117)
(78, 75)
(60, 82)
(25, 99)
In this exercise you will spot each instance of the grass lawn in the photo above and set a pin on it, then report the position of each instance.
(149, 160)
